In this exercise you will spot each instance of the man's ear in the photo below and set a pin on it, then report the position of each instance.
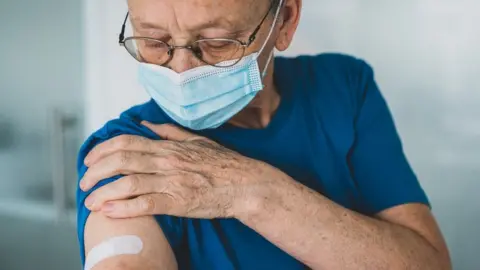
(289, 19)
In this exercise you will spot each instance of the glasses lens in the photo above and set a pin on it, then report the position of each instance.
(148, 50)
(219, 52)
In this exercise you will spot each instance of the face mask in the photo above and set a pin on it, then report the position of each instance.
(205, 97)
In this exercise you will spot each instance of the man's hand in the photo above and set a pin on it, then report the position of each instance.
(184, 175)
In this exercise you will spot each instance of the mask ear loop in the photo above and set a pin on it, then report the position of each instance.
(275, 19)
(272, 27)
(265, 69)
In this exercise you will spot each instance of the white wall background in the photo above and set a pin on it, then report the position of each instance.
(426, 54)
(41, 65)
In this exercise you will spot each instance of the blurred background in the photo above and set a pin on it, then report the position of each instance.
(63, 75)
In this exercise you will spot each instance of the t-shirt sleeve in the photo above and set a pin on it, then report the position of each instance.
(379, 165)
(170, 225)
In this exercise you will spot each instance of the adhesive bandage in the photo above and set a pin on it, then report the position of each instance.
(120, 245)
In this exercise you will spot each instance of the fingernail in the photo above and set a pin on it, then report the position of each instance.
(83, 185)
(89, 202)
(86, 161)
(108, 207)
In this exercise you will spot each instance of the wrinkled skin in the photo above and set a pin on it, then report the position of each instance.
(184, 175)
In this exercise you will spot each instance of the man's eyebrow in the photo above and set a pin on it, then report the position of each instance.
(216, 23)
(147, 25)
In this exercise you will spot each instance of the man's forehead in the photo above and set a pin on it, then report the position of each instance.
(197, 13)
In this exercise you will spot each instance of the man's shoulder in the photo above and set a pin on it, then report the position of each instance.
(128, 123)
(331, 78)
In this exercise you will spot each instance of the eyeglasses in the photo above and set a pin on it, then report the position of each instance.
(218, 52)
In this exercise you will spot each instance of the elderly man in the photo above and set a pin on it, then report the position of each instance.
(246, 161)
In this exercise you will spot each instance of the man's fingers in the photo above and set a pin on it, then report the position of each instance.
(125, 188)
(145, 205)
(170, 132)
(124, 143)
(123, 163)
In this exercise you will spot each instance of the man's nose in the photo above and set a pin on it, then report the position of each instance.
(182, 60)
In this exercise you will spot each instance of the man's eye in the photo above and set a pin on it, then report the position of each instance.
(216, 44)
(154, 44)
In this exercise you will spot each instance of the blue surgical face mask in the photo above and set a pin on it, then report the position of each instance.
(205, 97)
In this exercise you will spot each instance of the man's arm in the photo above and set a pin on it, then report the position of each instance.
(324, 235)
(156, 252)
(398, 231)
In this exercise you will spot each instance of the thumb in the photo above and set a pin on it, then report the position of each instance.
(169, 132)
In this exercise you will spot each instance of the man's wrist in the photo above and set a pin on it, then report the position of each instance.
(250, 204)
(256, 199)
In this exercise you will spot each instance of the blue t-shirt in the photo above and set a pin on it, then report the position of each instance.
(332, 132)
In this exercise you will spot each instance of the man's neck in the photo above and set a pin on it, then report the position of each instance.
(259, 113)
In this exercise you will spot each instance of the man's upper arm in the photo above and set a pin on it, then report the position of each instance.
(390, 189)
(380, 168)
(155, 254)
(160, 235)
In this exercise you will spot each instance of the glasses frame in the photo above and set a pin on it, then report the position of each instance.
(172, 48)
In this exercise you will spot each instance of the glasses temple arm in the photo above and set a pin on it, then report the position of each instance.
(121, 37)
(253, 36)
